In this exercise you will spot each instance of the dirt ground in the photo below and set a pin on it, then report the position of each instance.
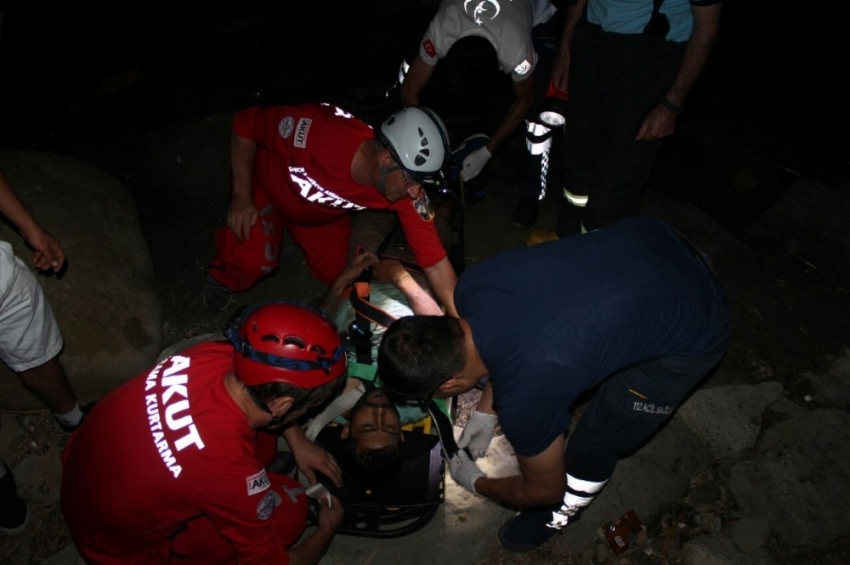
(784, 311)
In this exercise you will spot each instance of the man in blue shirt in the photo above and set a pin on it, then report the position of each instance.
(629, 67)
(633, 308)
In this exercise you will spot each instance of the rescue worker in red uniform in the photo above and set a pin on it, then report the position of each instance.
(182, 477)
(306, 168)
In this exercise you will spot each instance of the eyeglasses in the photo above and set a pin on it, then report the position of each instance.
(408, 182)
(435, 179)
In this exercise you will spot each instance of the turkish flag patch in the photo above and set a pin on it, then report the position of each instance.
(429, 48)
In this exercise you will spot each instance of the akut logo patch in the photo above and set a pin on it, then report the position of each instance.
(301, 131)
(257, 482)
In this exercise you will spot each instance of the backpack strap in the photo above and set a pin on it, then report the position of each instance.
(366, 313)
(658, 23)
(445, 430)
(366, 310)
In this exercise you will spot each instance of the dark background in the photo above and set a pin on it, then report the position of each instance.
(772, 85)
(97, 81)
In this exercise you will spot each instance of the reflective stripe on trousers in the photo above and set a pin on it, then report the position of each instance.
(579, 200)
(579, 494)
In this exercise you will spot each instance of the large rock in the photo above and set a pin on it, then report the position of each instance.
(187, 343)
(717, 549)
(749, 289)
(801, 483)
(105, 302)
(831, 385)
(783, 319)
(648, 482)
(728, 418)
(810, 222)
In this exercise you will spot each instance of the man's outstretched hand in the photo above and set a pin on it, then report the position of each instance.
(358, 264)
(49, 255)
(389, 271)
(658, 124)
(331, 513)
(241, 216)
(311, 457)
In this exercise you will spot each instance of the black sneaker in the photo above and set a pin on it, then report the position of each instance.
(528, 530)
(85, 409)
(525, 213)
(215, 295)
(14, 512)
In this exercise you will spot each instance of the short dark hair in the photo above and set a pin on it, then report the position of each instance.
(419, 353)
(303, 396)
(374, 464)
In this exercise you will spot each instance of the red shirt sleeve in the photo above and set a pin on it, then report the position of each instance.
(421, 234)
(271, 127)
(243, 122)
(246, 519)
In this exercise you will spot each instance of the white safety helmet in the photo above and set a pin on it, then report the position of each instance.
(418, 141)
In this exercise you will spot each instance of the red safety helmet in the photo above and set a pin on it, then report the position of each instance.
(285, 343)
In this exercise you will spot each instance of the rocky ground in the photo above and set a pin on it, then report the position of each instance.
(708, 500)
(752, 472)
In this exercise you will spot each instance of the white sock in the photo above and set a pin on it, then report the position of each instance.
(71, 418)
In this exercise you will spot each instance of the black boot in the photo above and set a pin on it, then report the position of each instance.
(529, 529)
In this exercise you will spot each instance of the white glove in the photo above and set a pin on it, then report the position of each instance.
(478, 433)
(474, 162)
(464, 471)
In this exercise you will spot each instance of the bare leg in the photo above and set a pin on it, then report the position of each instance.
(50, 384)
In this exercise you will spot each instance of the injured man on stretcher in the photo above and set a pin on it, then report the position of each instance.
(371, 423)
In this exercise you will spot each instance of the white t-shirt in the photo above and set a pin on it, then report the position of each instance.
(506, 24)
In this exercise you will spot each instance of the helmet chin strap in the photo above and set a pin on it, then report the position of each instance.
(382, 187)
(276, 420)
(259, 403)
